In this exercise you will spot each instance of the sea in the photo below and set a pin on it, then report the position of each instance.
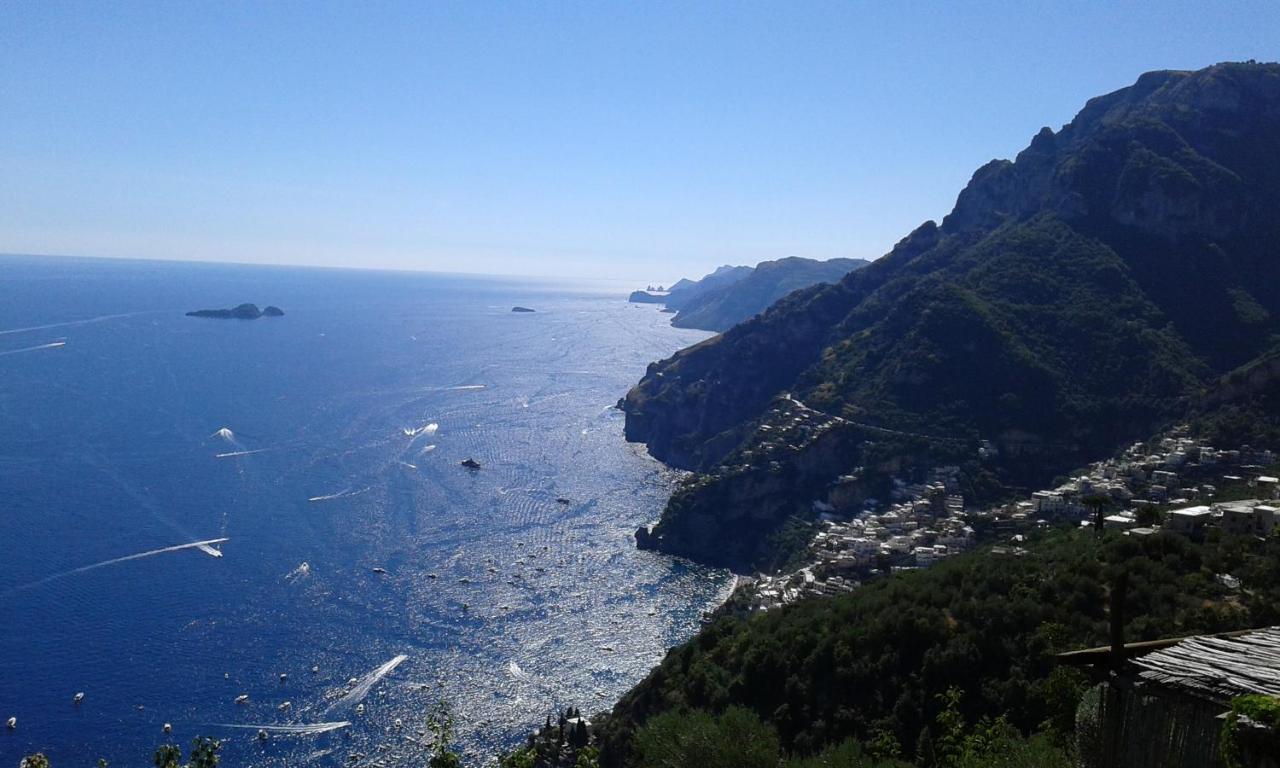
(353, 574)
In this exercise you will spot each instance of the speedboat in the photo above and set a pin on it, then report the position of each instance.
(359, 709)
(79, 697)
(13, 723)
(285, 707)
(242, 698)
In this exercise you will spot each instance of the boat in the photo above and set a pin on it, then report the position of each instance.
(359, 709)
(379, 570)
(79, 697)
(315, 670)
(13, 723)
(284, 676)
(242, 698)
(286, 706)
(168, 728)
(470, 463)
(563, 500)
(263, 735)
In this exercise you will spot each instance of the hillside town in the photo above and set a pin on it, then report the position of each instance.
(1176, 484)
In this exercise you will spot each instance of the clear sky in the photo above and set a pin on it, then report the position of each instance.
(637, 140)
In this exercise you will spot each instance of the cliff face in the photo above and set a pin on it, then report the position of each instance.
(722, 308)
(1074, 299)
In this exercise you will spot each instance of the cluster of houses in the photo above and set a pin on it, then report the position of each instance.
(1178, 475)
(924, 523)
(1170, 484)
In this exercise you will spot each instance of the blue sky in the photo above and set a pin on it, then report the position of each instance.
(638, 140)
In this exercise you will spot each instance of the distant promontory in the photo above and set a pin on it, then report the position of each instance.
(242, 312)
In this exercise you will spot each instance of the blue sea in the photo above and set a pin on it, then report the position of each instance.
(321, 446)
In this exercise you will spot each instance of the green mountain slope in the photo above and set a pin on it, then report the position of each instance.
(724, 307)
(1075, 299)
(876, 661)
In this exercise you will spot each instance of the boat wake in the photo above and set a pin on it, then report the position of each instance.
(426, 429)
(50, 345)
(233, 454)
(366, 683)
(206, 546)
(301, 572)
(515, 671)
(338, 495)
(291, 730)
(70, 323)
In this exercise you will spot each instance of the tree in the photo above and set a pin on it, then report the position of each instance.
(168, 756)
(1097, 503)
(204, 753)
(37, 760)
(440, 726)
(735, 739)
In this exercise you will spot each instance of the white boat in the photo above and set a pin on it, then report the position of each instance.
(242, 698)
(13, 723)
(285, 707)
(79, 697)
(359, 709)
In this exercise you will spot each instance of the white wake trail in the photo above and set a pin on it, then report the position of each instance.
(338, 495)
(293, 730)
(205, 546)
(239, 453)
(428, 429)
(50, 345)
(366, 683)
(70, 323)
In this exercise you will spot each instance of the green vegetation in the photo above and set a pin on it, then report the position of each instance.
(564, 744)
(738, 738)
(204, 754)
(440, 727)
(723, 307)
(1120, 275)
(1261, 710)
(871, 665)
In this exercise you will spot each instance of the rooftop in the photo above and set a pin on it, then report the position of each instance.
(1218, 667)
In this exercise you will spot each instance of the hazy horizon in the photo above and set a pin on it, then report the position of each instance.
(638, 143)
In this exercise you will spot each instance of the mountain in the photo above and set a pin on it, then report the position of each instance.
(729, 295)
(1097, 287)
(721, 308)
(877, 663)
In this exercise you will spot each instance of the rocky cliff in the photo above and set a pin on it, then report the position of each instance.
(1075, 298)
(719, 309)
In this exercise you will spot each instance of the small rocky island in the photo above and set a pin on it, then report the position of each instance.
(522, 309)
(242, 312)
